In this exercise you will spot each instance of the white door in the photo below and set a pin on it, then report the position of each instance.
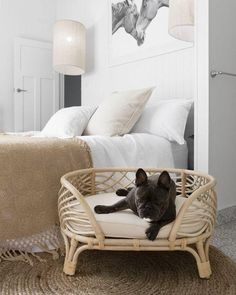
(216, 96)
(36, 85)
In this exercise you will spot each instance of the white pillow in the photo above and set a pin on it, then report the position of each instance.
(117, 114)
(68, 122)
(167, 118)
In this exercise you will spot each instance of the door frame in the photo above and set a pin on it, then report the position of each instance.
(201, 91)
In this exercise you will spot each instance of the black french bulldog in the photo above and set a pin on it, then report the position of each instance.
(152, 198)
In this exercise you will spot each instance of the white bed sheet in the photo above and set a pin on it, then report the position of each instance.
(136, 150)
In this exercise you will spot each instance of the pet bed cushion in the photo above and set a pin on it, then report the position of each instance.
(125, 224)
(118, 113)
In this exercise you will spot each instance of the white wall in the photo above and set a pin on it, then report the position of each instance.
(171, 73)
(31, 19)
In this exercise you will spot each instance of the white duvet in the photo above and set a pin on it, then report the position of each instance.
(132, 150)
(136, 150)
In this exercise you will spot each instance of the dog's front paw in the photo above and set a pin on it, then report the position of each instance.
(122, 192)
(99, 209)
(151, 233)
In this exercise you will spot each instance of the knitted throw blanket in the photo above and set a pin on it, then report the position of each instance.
(30, 172)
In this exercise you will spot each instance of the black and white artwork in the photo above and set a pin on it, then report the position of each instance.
(139, 28)
(125, 14)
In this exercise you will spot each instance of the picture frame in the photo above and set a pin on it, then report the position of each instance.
(124, 48)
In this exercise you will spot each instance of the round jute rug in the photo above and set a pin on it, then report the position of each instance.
(120, 273)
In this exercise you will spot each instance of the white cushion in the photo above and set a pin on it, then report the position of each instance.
(68, 122)
(167, 118)
(117, 114)
(125, 224)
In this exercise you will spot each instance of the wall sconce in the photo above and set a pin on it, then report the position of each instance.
(181, 19)
(69, 47)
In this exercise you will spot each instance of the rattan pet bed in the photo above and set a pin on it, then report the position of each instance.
(81, 230)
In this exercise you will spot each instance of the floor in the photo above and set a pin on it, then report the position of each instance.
(225, 239)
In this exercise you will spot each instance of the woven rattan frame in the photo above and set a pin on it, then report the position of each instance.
(81, 231)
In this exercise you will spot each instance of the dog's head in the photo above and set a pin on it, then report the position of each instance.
(152, 197)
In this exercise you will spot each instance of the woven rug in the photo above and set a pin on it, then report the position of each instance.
(120, 273)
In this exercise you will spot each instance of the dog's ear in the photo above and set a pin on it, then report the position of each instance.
(141, 177)
(164, 180)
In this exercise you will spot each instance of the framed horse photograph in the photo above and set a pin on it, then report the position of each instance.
(139, 29)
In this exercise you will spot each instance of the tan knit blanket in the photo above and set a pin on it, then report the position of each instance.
(30, 172)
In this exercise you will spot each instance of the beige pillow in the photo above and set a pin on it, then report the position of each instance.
(118, 114)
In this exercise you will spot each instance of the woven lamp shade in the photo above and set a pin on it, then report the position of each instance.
(181, 19)
(69, 47)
